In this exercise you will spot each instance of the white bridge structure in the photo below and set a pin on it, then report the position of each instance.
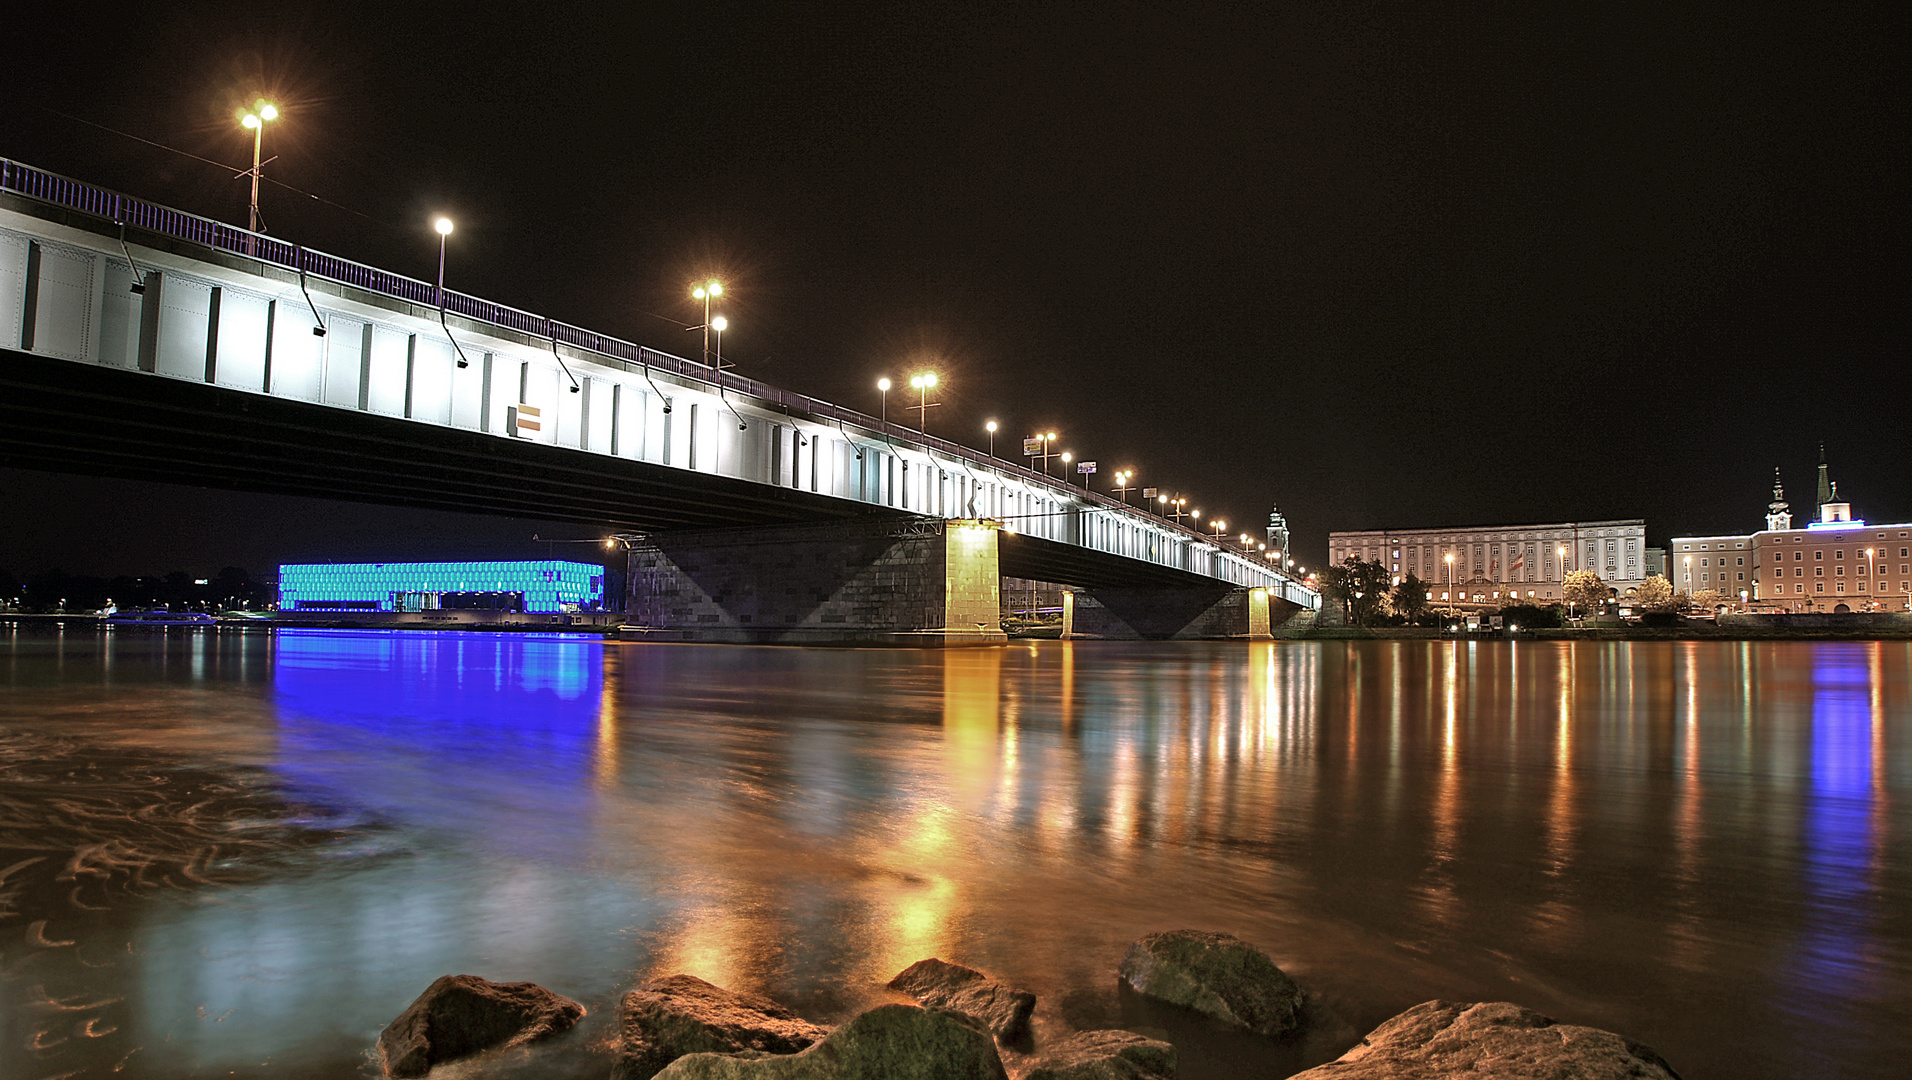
(341, 380)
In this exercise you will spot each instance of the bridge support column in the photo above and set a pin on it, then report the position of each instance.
(1185, 613)
(924, 582)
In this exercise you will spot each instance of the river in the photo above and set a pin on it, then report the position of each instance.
(243, 853)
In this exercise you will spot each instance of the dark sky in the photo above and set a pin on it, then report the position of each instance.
(1382, 265)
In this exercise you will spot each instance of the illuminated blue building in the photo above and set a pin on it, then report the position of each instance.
(543, 586)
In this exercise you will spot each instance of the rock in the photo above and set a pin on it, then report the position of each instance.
(890, 1042)
(1216, 974)
(1490, 1041)
(460, 1015)
(1001, 1008)
(664, 1019)
(1105, 1055)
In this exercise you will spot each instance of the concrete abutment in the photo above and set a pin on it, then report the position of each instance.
(911, 582)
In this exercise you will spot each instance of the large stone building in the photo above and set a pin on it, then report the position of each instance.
(1836, 563)
(1493, 565)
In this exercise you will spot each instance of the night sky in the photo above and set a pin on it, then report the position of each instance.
(1381, 265)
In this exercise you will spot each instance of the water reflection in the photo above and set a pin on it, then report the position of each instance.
(1702, 845)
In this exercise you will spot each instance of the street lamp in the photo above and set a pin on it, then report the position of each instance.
(883, 387)
(1871, 571)
(254, 120)
(1122, 478)
(443, 225)
(1046, 441)
(991, 428)
(1449, 557)
(720, 324)
(706, 292)
(923, 384)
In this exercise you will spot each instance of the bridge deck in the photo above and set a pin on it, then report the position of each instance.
(159, 345)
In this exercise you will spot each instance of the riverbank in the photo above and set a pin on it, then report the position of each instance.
(1695, 631)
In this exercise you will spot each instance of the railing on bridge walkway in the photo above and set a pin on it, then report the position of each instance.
(126, 210)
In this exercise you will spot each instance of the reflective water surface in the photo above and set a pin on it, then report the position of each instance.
(244, 853)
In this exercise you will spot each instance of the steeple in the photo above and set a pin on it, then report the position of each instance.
(1825, 478)
(1277, 535)
(1778, 514)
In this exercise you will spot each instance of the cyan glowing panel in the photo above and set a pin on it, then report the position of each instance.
(546, 584)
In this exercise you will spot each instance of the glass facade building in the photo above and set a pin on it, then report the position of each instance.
(544, 586)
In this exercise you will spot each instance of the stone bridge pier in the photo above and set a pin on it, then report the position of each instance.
(1183, 613)
(917, 581)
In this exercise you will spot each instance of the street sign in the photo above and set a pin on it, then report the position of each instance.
(1150, 493)
(1085, 467)
(1031, 447)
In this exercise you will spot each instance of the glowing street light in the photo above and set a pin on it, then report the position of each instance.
(923, 384)
(1449, 558)
(1122, 478)
(1047, 443)
(991, 428)
(254, 120)
(707, 291)
(443, 227)
(883, 387)
(720, 324)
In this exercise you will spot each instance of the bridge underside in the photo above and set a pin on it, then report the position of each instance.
(59, 416)
(725, 543)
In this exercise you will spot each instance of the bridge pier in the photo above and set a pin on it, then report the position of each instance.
(890, 581)
(1192, 612)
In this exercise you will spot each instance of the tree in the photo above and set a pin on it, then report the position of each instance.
(1654, 594)
(1585, 591)
(1359, 586)
(1708, 600)
(1409, 598)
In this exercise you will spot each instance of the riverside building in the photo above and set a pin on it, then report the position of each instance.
(1837, 563)
(1494, 565)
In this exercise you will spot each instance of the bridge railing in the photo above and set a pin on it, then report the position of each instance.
(25, 180)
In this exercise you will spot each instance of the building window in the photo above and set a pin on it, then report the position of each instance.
(1819, 571)
(1820, 555)
(1841, 587)
(1799, 588)
(1818, 586)
(1840, 554)
(1739, 562)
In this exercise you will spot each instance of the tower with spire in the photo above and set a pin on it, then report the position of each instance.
(1825, 480)
(1778, 513)
(1278, 536)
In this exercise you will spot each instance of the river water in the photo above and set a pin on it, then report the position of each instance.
(243, 853)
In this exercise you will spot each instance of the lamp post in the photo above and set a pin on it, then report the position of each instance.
(1871, 571)
(254, 120)
(923, 384)
(707, 291)
(1122, 478)
(1449, 559)
(720, 324)
(883, 387)
(1046, 441)
(1067, 457)
(991, 428)
(443, 225)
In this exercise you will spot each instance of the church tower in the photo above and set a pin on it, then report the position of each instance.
(1825, 478)
(1778, 514)
(1278, 537)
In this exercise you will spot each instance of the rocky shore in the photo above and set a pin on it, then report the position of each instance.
(966, 1025)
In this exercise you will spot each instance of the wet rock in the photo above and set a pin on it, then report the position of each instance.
(460, 1015)
(1105, 1055)
(1001, 1008)
(667, 1018)
(1495, 1039)
(1216, 974)
(890, 1042)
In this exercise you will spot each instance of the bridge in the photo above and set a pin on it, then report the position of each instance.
(148, 343)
